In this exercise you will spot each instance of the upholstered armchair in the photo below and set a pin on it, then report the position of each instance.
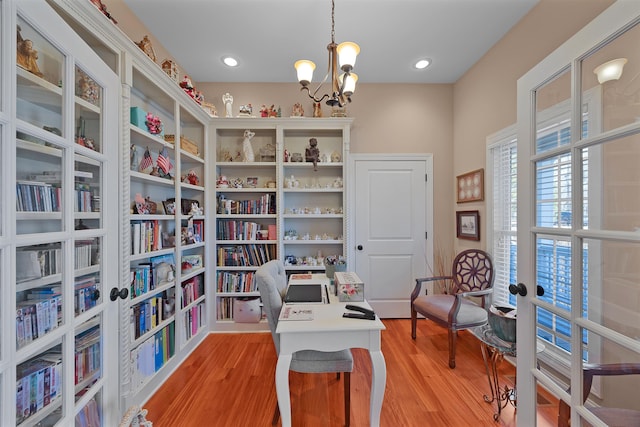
(471, 276)
(611, 416)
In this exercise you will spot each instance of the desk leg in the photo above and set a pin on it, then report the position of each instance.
(378, 384)
(501, 397)
(282, 389)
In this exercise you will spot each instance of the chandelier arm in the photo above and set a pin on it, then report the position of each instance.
(312, 96)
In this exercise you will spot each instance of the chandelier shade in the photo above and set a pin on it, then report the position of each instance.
(305, 69)
(341, 57)
(347, 53)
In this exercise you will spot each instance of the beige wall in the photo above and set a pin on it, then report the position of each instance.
(449, 121)
(484, 98)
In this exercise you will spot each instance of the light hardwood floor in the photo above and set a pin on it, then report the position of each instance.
(229, 381)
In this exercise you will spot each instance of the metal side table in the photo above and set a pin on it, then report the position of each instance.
(493, 351)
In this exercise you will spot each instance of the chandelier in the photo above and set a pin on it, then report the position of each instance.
(342, 85)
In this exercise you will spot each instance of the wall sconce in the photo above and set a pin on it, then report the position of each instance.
(611, 70)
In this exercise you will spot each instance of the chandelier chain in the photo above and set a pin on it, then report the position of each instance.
(333, 21)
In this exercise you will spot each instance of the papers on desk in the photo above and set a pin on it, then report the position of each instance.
(296, 312)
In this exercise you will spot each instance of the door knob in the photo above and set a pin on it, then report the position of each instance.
(359, 247)
(519, 289)
(115, 293)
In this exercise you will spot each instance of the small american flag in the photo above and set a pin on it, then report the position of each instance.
(164, 163)
(146, 164)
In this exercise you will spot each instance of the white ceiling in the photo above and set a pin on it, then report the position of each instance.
(267, 37)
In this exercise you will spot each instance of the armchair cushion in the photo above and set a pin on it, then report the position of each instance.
(439, 306)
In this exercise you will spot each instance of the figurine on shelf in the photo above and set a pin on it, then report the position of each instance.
(222, 182)
(298, 111)
(247, 149)
(102, 8)
(186, 83)
(287, 155)
(191, 178)
(245, 110)
(87, 88)
(335, 157)
(227, 99)
(312, 153)
(196, 209)
(27, 55)
(154, 124)
(272, 111)
(147, 48)
(187, 86)
(199, 97)
(264, 112)
(170, 67)
(210, 109)
(317, 109)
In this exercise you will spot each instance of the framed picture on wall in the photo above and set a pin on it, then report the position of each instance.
(470, 186)
(468, 225)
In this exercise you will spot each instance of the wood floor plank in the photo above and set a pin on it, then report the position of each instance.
(228, 381)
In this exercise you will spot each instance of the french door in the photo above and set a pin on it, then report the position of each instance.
(579, 218)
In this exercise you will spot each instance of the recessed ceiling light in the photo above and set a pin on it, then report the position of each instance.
(229, 61)
(422, 64)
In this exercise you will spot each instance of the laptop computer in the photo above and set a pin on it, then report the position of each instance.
(309, 293)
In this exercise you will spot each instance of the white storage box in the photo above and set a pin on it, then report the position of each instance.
(349, 286)
(247, 310)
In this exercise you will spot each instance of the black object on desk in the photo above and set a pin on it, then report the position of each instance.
(310, 293)
(364, 313)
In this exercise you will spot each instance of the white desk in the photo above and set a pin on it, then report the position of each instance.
(329, 331)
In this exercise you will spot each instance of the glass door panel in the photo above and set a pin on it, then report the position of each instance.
(616, 193)
(88, 292)
(39, 80)
(87, 193)
(40, 389)
(614, 69)
(39, 296)
(88, 356)
(39, 185)
(88, 106)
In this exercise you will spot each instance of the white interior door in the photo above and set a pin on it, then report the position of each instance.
(391, 206)
(578, 210)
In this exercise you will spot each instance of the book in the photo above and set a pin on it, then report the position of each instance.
(296, 313)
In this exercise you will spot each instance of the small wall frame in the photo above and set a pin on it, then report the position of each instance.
(468, 225)
(470, 186)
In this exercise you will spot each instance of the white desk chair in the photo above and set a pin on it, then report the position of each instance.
(271, 279)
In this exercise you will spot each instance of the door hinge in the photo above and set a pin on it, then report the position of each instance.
(426, 178)
(426, 235)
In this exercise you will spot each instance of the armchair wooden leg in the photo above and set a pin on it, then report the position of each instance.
(452, 348)
(347, 399)
(414, 318)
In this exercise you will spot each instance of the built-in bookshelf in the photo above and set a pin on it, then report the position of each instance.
(168, 219)
(165, 207)
(274, 207)
(57, 249)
